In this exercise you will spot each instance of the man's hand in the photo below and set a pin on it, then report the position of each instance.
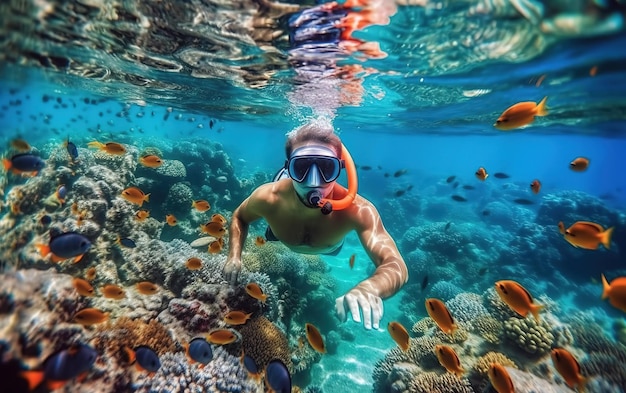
(370, 305)
(231, 270)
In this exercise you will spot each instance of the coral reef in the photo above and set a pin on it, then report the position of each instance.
(534, 338)
(263, 341)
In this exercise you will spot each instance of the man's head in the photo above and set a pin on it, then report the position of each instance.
(313, 161)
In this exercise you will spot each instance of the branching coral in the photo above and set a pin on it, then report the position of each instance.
(488, 328)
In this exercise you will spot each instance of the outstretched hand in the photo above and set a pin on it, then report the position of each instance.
(231, 270)
(370, 305)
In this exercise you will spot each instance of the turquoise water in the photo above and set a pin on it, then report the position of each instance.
(213, 89)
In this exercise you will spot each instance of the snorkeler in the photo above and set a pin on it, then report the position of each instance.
(311, 214)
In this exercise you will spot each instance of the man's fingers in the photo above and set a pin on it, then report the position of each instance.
(377, 311)
(367, 312)
(354, 307)
(340, 309)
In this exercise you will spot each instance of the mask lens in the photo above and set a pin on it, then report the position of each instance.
(299, 167)
(328, 167)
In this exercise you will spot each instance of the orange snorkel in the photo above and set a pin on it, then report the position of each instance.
(328, 205)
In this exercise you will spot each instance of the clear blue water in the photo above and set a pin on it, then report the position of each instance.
(149, 75)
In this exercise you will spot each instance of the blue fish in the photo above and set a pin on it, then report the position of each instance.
(45, 220)
(199, 350)
(277, 377)
(251, 367)
(71, 149)
(147, 359)
(126, 242)
(24, 163)
(65, 246)
(61, 193)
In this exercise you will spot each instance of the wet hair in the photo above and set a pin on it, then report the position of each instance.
(321, 132)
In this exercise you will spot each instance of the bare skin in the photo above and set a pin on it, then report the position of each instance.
(306, 230)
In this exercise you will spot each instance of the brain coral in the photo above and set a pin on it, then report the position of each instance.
(529, 335)
(432, 382)
(264, 341)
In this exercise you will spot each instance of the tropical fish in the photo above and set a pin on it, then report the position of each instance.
(237, 317)
(65, 246)
(109, 147)
(588, 235)
(579, 164)
(146, 288)
(277, 377)
(449, 359)
(315, 338)
(216, 246)
(213, 228)
(438, 311)
(61, 193)
(83, 287)
(567, 365)
(151, 161)
(112, 291)
(517, 298)
(259, 241)
(523, 201)
(615, 291)
(399, 334)
(135, 195)
(400, 172)
(535, 186)
(90, 316)
(450, 179)
(45, 220)
(144, 358)
(199, 350)
(500, 378)
(90, 274)
(256, 292)
(424, 282)
(561, 227)
(221, 179)
(221, 337)
(501, 175)
(126, 242)
(218, 218)
(447, 226)
(25, 163)
(62, 366)
(458, 198)
(194, 263)
(141, 215)
(171, 220)
(251, 367)
(20, 144)
(71, 148)
(481, 174)
(201, 205)
(521, 114)
(351, 260)
(468, 187)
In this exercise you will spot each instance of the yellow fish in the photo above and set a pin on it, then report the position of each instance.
(521, 114)
(399, 335)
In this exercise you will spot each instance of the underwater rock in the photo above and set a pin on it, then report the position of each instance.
(179, 198)
(528, 383)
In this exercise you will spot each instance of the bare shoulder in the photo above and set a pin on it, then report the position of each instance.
(363, 213)
(267, 196)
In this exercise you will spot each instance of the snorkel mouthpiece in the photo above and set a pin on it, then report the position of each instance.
(314, 197)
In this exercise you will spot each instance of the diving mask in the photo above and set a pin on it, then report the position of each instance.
(313, 168)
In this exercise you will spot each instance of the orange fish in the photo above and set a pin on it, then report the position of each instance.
(135, 195)
(521, 114)
(218, 218)
(216, 246)
(112, 291)
(151, 161)
(351, 261)
(90, 274)
(171, 220)
(561, 227)
(221, 337)
(399, 335)
(259, 241)
(81, 218)
(20, 145)
(253, 289)
(441, 315)
(579, 164)
(500, 379)
(567, 365)
(141, 215)
(449, 359)
(213, 228)
(615, 291)
(588, 235)
(315, 338)
(194, 263)
(82, 287)
(593, 71)
(535, 186)
(109, 147)
(90, 316)
(517, 298)
(201, 205)
(146, 288)
(237, 318)
(481, 174)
